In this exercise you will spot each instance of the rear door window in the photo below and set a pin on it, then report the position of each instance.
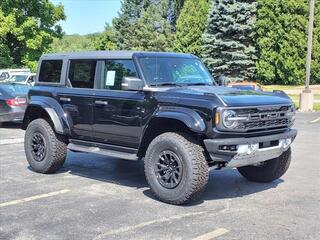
(50, 71)
(82, 73)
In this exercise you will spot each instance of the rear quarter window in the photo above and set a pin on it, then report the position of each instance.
(50, 71)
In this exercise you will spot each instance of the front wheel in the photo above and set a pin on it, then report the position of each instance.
(176, 168)
(45, 150)
(269, 170)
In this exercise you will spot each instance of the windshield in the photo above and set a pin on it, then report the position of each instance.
(18, 78)
(175, 71)
(15, 89)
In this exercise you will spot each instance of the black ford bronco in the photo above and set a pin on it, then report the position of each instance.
(162, 108)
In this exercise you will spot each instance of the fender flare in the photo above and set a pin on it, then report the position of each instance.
(188, 116)
(60, 120)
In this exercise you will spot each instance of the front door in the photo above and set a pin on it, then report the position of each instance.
(77, 99)
(117, 113)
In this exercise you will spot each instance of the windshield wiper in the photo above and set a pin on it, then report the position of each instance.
(166, 84)
(199, 84)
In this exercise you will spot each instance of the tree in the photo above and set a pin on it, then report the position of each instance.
(229, 46)
(315, 64)
(125, 23)
(153, 31)
(282, 41)
(106, 40)
(6, 23)
(174, 9)
(143, 25)
(72, 43)
(29, 28)
(191, 26)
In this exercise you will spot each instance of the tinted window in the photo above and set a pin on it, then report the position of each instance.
(115, 71)
(18, 78)
(50, 71)
(81, 73)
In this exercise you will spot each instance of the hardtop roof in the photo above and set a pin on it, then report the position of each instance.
(112, 55)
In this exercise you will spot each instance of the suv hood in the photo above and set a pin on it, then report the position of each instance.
(235, 97)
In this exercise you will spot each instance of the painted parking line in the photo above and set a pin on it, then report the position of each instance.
(212, 235)
(28, 199)
(315, 120)
(11, 141)
(145, 224)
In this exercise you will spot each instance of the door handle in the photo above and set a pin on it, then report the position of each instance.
(99, 102)
(65, 99)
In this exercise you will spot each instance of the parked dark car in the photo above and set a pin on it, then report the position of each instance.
(13, 101)
(162, 108)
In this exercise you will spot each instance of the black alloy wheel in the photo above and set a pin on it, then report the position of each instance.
(168, 169)
(38, 147)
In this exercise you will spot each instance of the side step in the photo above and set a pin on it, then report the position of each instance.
(102, 151)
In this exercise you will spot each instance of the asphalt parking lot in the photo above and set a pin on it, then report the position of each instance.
(94, 197)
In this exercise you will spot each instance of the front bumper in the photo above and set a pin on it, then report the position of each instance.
(238, 152)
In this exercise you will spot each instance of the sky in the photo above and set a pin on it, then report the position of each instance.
(87, 16)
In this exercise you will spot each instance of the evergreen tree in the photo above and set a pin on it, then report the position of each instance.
(315, 66)
(174, 10)
(106, 40)
(125, 23)
(282, 28)
(191, 26)
(153, 31)
(229, 46)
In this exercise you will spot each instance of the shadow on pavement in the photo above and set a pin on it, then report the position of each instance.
(222, 184)
(106, 169)
(11, 125)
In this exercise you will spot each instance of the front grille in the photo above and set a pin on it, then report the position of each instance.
(264, 118)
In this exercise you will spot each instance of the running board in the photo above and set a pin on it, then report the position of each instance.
(98, 150)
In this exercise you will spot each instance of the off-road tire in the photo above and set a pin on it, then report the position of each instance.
(195, 171)
(55, 151)
(269, 170)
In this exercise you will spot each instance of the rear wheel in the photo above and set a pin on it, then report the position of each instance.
(176, 168)
(45, 150)
(269, 170)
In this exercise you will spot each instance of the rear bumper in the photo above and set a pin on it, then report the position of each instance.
(238, 152)
(12, 117)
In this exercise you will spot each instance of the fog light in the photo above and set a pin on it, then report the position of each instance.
(286, 142)
(252, 148)
(248, 149)
(233, 148)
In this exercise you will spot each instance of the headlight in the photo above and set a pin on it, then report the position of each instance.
(291, 114)
(229, 119)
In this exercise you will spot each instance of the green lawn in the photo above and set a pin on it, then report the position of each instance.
(295, 97)
(281, 87)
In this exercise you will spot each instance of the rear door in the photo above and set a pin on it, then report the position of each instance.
(117, 113)
(77, 98)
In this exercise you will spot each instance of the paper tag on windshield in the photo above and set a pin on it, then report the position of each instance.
(111, 75)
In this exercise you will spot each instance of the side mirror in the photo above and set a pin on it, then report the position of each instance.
(222, 80)
(132, 84)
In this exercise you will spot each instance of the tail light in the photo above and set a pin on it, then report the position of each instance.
(16, 102)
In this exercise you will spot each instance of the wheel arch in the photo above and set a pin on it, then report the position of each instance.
(172, 120)
(50, 110)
